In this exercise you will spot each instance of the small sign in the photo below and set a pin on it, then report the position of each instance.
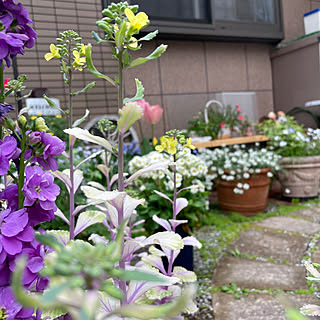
(40, 105)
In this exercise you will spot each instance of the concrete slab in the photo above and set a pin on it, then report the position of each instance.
(311, 214)
(253, 274)
(256, 306)
(290, 224)
(268, 244)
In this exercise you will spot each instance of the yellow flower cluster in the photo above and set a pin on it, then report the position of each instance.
(137, 22)
(170, 145)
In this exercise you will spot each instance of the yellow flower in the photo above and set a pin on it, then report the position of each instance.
(133, 43)
(83, 49)
(137, 22)
(59, 116)
(51, 133)
(39, 114)
(53, 54)
(33, 117)
(172, 146)
(189, 145)
(78, 61)
(154, 141)
(163, 144)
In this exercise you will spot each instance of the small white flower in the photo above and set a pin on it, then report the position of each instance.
(246, 186)
(269, 174)
(287, 191)
(246, 175)
(282, 143)
(194, 172)
(142, 188)
(239, 185)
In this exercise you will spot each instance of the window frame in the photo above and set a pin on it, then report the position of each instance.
(221, 29)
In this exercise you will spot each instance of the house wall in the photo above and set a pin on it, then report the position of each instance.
(181, 81)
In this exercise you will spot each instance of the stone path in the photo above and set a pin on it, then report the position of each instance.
(266, 259)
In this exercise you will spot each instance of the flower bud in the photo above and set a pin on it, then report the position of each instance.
(22, 121)
(35, 137)
(9, 123)
(41, 125)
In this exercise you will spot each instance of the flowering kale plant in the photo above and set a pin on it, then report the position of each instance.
(237, 163)
(111, 278)
(288, 138)
(190, 170)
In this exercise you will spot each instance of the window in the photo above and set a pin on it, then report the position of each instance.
(227, 19)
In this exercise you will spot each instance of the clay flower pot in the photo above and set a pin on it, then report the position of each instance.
(300, 176)
(249, 203)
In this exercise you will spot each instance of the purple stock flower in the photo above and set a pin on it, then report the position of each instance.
(16, 34)
(39, 186)
(11, 195)
(38, 215)
(53, 147)
(14, 311)
(4, 109)
(14, 231)
(8, 150)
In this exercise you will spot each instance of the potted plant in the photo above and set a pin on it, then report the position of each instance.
(242, 177)
(223, 122)
(300, 149)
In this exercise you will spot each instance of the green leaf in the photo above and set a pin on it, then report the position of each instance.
(93, 69)
(52, 104)
(120, 34)
(85, 135)
(154, 55)
(139, 94)
(149, 36)
(129, 275)
(50, 241)
(96, 37)
(126, 58)
(79, 121)
(87, 219)
(85, 89)
(54, 313)
(129, 114)
(51, 294)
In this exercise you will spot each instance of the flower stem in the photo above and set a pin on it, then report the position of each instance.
(152, 130)
(21, 170)
(71, 143)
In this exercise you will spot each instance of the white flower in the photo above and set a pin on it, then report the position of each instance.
(194, 172)
(142, 188)
(287, 191)
(282, 143)
(239, 185)
(246, 175)
(246, 186)
(269, 174)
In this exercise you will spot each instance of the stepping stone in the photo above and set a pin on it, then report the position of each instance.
(315, 257)
(290, 224)
(256, 306)
(254, 274)
(268, 244)
(312, 214)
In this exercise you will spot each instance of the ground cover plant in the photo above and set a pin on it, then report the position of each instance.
(47, 274)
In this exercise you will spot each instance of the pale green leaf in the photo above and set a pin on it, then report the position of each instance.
(149, 36)
(184, 274)
(79, 121)
(120, 34)
(168, 239)
(129, 114)
(310, 310)
(87, 219)
(93, 69)
(52, 104)
(85, 135)
(85, 89)
(154, 55)
(96, 37)
(77, 178)
(139, 95)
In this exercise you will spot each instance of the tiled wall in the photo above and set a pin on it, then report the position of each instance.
(51, 17)
(188, 74)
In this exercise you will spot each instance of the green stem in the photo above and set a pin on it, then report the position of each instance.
(21, 171)
(140, 130)
(71, 143)
(152, 131)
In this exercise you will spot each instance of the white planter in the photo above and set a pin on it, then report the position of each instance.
(312, 21)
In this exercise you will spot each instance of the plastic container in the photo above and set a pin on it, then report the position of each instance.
(312, 21)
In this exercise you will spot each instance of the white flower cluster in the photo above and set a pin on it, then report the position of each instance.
(188, 166)
(233, 164)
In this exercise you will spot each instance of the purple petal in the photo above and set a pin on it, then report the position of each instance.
(12, 246)
(4, 48)
(35, 264)
(27, 235)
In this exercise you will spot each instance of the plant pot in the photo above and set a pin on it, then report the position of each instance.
(249, 203)
(300, 176)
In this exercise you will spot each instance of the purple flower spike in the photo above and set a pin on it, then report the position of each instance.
(8, 150)
(39, 186)
(16, 33)
(11, 195)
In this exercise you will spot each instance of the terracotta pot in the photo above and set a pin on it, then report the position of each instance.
(249, 203)
(300, 176)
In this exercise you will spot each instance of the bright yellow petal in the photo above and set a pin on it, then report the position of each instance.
(142, 18)
(154, 141)
(130, 15)
(82, 60)
(133, 42)
(83, 49)
(48, 56)
(53, 48)
(76, 54)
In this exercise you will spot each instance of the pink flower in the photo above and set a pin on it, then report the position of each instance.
(5, 82)
(239, 110)
(152, 114)
(237, 105)
(272, 115)
(222, 124)
(240, 118)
